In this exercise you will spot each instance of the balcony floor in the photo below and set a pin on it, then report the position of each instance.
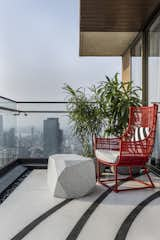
(104, 219)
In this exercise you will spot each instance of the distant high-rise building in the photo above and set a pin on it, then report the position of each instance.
(1, 130)
(32, 136)
(52, 136)
(10, 138)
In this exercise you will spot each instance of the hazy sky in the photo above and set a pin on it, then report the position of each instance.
(39, 47)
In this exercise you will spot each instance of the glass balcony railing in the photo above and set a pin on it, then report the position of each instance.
(42, 134)
(35, 130)
(7, 104)
(8, 131)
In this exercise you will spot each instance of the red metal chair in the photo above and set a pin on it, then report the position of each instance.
(133, 149)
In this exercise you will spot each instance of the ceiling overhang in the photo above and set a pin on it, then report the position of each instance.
(107, 27)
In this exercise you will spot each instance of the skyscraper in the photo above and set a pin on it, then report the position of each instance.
(52, 136)
(11, 138)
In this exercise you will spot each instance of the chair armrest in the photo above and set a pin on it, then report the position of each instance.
(107, 143)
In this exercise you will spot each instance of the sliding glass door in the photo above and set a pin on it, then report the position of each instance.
(154, 77)
(136, 64)
(154, 62)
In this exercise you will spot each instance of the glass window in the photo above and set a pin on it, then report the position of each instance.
(154, 62)
(154, 77)
(136, 69)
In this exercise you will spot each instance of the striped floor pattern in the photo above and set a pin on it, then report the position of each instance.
(31, 213)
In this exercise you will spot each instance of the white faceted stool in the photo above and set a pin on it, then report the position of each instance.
(70, 175)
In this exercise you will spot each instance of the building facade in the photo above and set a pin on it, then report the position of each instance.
(130, 29)
(52, 136)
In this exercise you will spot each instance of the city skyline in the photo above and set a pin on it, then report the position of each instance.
(34, 142)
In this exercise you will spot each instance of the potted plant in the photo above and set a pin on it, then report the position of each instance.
(105, 111)
(85, 116)
(114, 99)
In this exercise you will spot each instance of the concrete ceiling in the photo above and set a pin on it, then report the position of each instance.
(107, 27)
(105, 43)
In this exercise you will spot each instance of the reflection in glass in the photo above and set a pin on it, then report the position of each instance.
(38, 131)
(154, 76)
(8, 137)
(136, 67)
(154, 62)
(43, 134)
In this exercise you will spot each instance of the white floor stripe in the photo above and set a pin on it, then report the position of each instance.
(59, 225)
(32, 198)
(147, 224)
(108, 218)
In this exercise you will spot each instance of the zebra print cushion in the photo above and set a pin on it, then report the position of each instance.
(140, 133)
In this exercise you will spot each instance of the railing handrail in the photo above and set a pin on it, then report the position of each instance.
(8, 99)
(18, 111)
(45, 102)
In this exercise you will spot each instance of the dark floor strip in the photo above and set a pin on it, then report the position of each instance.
(123, 231)
(38, 220)
(7, 179)
(78, 227)
(5, 194)
(84, 218)
(82, 221)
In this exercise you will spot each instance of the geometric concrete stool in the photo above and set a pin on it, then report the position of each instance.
(70, 175)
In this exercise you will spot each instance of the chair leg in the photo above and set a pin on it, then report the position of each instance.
(147, 173)
(116, 179)
(131, 177)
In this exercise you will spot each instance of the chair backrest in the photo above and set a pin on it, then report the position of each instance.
(142, 126)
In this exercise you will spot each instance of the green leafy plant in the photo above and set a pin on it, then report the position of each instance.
(114, 99)
(105, 111)
(85, 116)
